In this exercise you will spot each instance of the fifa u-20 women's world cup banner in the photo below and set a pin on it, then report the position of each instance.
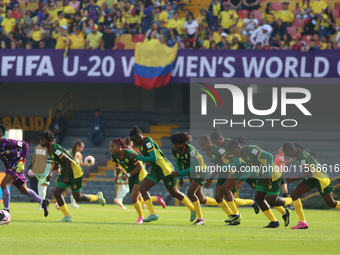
(118, 66)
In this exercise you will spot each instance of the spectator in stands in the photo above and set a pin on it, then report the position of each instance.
(68, 10)
(309, 27)
(332, 27)
(232, 34)
(206, 43)
(285, 15)
(318, 6)
(58, 126)
(304, 9)
(217, 35)
(147, 16)
(251, 5)
(77, 40)
(16, 11)
(61, 18)
(317, 40)
(21, 18)
(10, 5)
(325, 23)
(109, 18)
(276, 43)
(109, 40)
(176, 23)
(227, 18)
(127, 9)
(60, 34)
(155, 28)
(164, 19)
(18, 36)
(7, 27)
(215, 8)
(97, 124)
(312, 46)
(27, 22)
(152, 40)
(118, 23)
(93, 11)
(329, 46)
(90, 24)
(213, 45)
(250, 24)
(156, 14)
(247, 43)
(287, 42)
(269, 13)
(132, 23)
(2, 13)
(94, 38)
(53, 11)
(298, 44)
(12, 46)
(279, 29)
(76, 21)
(42, 45)
(221, 45)
(191, 33)
(324, 39)
(235, 4)
(207, 18)
(236, 44)
(174, 38)
(116, 7)
(337, 39)
(41, 14)
(202, 33)
(75, 4)
(261, 35)
(258, 46)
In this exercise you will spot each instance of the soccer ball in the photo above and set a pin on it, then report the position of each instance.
(89, 160)
(5, 217)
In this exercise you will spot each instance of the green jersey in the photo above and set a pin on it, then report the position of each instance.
(217, 155)
(305, 161)
(189, 152)
(162, 164)
(56, 152)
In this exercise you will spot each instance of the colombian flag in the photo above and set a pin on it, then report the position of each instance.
(153, 65)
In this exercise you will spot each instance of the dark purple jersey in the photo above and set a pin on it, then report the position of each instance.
(11, 151)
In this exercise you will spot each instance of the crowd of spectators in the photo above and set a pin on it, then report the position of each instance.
(231, 24)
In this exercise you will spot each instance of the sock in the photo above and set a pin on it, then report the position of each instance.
(210, 201)
(185, 201)
(233, 207)
(280, 209)
(198, 209)
(269, 214)
(224, 206)
(149, 205)
(153, 199)
(73, 201)
(42, 191)
(34, 196)
(93, 198)
(139, 209)
(298, 208)
(64, 210)
(337, 205)
(288, 201)
(285, 194)
(6, 197)
(241, 202)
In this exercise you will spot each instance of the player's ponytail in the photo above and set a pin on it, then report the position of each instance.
(135, 132)
(233, 144)
(181, 137)
(290, 146)
(3, 129)
(216, 134)
(299, 146)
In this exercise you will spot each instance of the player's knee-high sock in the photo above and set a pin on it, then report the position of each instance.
(224, 206)
(280, 209)
(42, 190)
(153, 199)
(288, 201)
(64, 210)
(34, 196)
(337, 205)
(6, 198)
(298, 208)
(149, 205)
(210, 201)
(185, 201)
(198, 209)
(139, 209)
(269, 214)
(233, 207)
(73, 201)
(241, 202)
(93, 198)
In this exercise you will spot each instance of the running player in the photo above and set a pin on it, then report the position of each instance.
(71, 174)
(187, 158)
(311, 178)
(267, 187)
(161, 169)
(13, 154)
(135, 174)
(218, 156)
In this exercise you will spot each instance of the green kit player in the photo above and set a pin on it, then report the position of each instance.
(71, 175)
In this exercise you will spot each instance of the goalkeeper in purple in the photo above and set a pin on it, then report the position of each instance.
(13, 154)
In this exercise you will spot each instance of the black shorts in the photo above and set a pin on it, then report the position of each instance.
(283, 181)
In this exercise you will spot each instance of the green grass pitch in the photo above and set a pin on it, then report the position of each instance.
(107, 230)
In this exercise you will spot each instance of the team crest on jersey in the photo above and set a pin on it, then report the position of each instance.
(74, 186)
(248, 158)
(127, 160)
(213, 156)
(186, 156)
(141, 148)
(126, 167)
(177, 155)
(117, 160)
